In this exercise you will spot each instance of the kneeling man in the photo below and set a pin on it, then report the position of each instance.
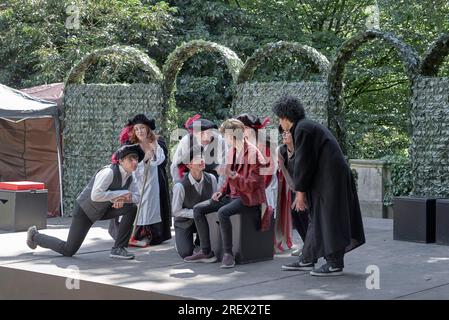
(109, 194)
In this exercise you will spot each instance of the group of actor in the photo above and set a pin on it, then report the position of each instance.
(234, 168)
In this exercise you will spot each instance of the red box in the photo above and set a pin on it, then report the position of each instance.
(22, 185)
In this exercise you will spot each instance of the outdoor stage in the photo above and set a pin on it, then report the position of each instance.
(407, 271)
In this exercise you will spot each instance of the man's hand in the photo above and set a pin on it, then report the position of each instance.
(300, 203)
(126, 198)
(216, 196)
(118, 204)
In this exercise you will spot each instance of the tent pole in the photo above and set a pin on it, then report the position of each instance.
(58, 146)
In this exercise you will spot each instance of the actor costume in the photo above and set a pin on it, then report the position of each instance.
(214, 152)
(94, 203)
(285, 215)
(264, 146)
(186, 194)
(321, 171)
(154, 218)
(245, 193)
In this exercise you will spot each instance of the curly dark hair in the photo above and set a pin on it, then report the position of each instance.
(289, 107)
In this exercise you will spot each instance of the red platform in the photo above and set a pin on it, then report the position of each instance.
(22, 185)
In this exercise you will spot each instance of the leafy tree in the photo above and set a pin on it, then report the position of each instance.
(38, 46)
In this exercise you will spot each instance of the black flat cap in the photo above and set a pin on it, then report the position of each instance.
(204, 125)
(127, 149)
(141, 118)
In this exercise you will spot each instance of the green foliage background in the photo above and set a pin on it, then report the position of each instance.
(37, 48)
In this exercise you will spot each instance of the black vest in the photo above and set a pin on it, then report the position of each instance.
(192, 197)
(96, 210)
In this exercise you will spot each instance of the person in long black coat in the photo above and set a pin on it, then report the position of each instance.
(324, 184)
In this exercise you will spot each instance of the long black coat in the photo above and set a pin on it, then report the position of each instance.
(164, 194)
(321, 171)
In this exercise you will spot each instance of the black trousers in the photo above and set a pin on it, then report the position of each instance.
(334, 259)
(184, 240)
(81, 225)
(226, 208)
(300, 222)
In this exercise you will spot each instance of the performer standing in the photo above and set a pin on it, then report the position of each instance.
(323, 183)
(154, 218)
(285, 214)
(112, 192)
(197, 186)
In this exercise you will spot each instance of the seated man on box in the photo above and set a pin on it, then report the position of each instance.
(109, 194)
(242, 191)
(196, 186)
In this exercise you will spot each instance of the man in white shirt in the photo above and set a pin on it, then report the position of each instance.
(204, 133)
(109, 194)
(196, 186)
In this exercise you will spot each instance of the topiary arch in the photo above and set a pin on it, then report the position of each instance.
(76, 74)
(182, 53)
(407, 54)
(434, 56)
(259, 97)
(271, 49)
(95, 113)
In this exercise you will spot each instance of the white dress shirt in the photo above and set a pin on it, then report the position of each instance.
(150, 207)
(179, 195)
(183, 147)
(103, 180)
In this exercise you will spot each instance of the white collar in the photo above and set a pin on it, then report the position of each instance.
(125, 175)
(194, 182)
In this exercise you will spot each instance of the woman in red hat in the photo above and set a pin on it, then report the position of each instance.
(154, 216)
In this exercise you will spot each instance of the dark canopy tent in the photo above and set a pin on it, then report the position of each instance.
(30, 143)
(50, 92)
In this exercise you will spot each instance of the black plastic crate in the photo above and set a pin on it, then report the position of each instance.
(22, 209)
(414, 219)
(249, 244)
(442, 222)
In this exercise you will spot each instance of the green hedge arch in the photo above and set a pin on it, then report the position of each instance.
(407, 54)
(96, 110)
(269, 50)
(77, 73)
(182, 53)
(434, 56)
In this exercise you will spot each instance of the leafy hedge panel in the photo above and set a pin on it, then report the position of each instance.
(429, 149)
(93, 117)
(259, 97)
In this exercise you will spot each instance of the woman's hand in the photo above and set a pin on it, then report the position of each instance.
(232, 175)
(223, 170)
(151, 150)
(216, 196)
